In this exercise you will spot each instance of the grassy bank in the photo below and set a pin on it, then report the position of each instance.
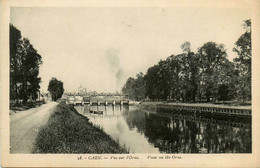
(67, 131)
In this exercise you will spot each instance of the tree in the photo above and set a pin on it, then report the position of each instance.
(127, 88)
(212, 56)
(243, 48)
(30, 70)
(243, 62)
(24, 68)
(175, 76)
(134, 87)
(186, 47)
(138, 87)
(207, 74)
(190, 70)
(223, 92)
(157, 83)
(151, 82)
(15, 43)
(56, 89)
(227, 78)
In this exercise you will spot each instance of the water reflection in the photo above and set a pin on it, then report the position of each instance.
(148, 132)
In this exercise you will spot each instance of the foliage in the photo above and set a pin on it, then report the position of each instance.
(243, 62)
(212, 59)
(56, 89)
(174, 78)
(24, 68)
(203, 76)
(135, 88)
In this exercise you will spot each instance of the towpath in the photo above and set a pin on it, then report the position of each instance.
(24, 127)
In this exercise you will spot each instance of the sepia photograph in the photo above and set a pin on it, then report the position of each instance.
(151, 81)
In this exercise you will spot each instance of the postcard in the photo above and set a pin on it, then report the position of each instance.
(129, 83)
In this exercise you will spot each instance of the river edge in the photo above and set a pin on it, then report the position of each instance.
(198, 108)
(155, 104)
(67, 131)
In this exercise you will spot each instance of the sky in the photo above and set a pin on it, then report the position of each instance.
(99, 48)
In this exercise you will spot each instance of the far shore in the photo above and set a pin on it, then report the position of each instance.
(218, 105)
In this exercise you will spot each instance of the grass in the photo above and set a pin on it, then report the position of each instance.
(67, 131)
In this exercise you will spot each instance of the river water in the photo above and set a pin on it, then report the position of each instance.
(150, 132)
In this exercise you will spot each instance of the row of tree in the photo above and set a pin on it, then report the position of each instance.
(206, 75)
(24, 68)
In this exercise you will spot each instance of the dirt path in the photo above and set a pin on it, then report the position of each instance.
(24, 127)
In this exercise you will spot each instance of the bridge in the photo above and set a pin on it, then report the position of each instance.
(106, 102)
(100, 99)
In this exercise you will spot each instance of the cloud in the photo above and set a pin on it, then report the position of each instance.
(112, 57)
(119, 74)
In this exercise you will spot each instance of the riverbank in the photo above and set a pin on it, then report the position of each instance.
(220, 105)
(67, 131)
(222, 109)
